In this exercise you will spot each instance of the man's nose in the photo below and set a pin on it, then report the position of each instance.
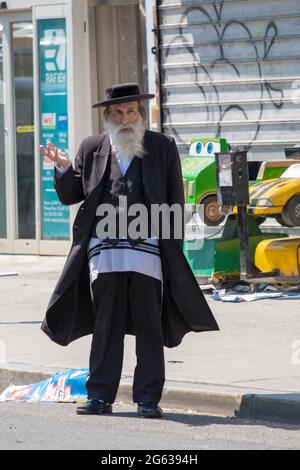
(125, 119)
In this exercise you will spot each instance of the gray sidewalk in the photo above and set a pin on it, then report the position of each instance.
(251, 367)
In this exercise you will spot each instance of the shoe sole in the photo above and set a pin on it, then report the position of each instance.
(107, 410)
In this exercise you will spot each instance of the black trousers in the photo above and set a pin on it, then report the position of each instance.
(119, 298)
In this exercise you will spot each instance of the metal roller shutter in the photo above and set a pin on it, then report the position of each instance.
(231, 68)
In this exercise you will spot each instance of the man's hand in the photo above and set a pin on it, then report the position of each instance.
(55, 155)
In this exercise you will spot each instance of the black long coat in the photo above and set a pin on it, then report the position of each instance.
(70, 314)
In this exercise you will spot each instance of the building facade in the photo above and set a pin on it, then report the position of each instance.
(56, 59)
(219, 68)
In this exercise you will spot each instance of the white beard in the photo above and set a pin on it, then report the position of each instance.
(127, 143)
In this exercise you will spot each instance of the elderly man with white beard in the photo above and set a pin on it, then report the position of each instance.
(137, 285)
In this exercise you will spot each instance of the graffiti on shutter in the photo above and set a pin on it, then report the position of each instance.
(231, 68)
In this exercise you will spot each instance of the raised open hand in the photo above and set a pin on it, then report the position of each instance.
(55, 155)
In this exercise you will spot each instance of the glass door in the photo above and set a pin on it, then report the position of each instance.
(33, 109)
(3, 222)
(23, 104)
(17, 153)
(6, 244)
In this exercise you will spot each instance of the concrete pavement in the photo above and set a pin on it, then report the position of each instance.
(250, 368)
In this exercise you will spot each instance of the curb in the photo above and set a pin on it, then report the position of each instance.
(272, 407)
(197, 401)
(20, 377)
(278, 407)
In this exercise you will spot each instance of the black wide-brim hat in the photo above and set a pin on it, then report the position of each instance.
(122, 93)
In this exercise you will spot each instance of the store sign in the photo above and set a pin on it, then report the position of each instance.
(53, 121)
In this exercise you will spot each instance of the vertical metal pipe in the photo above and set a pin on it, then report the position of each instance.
(245, 261)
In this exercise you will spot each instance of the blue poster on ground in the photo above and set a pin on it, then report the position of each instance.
(55, 217)
(66, 386)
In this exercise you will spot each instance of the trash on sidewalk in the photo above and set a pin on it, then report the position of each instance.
(67, 386)
(241, 291)
(207, 288)
(8, 274)
(231, 296)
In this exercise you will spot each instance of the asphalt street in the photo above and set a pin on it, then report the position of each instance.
(57, 426)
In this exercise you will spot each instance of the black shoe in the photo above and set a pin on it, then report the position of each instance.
(149, 410)
(94, 407)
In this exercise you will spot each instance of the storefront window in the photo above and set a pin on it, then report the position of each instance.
(3, 233)
(22, 37)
